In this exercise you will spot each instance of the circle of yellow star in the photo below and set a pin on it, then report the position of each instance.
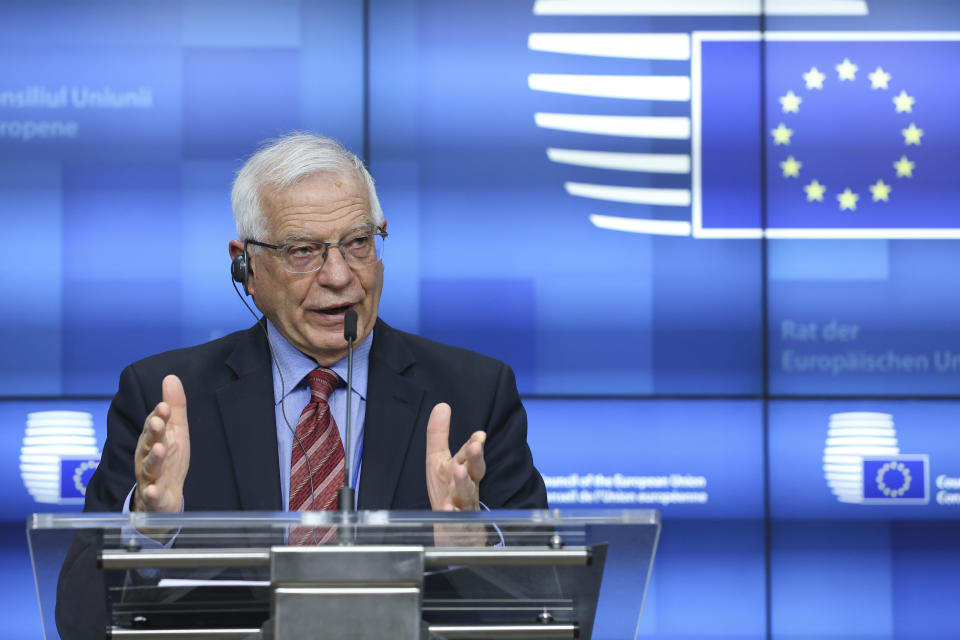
(911, 135)
(879, 79)
(781, 135)
(815, 191)
(791, 102)
(814, 78)
(846, 70)
(791, 168)
(904, 167)
(903, 102)
(848, 200)
(881, 191)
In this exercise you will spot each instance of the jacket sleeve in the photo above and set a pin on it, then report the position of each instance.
(114, 477)
(511, 481)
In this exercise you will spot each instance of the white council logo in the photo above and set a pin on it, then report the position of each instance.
(862, 463)
(852, 435)
(58, 456)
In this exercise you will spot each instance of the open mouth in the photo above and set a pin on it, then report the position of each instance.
(333, 311)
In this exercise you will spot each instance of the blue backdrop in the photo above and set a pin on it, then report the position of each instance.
(726, 283)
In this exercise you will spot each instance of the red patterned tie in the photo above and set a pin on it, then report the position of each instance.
(318, 433)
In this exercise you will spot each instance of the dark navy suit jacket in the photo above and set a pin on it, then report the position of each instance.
(233, 440)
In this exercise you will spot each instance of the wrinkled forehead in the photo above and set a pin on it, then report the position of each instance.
(322, 204)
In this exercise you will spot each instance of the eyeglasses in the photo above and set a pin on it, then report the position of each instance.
(306, 256)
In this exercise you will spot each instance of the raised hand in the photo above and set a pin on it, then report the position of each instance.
(163, 452)
(453, 481)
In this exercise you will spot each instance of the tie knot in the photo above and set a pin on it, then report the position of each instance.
(322, 382)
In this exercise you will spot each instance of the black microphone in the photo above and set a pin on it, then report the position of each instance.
(350, 327)
(345, 495)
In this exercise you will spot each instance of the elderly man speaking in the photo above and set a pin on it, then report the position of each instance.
(254, 420)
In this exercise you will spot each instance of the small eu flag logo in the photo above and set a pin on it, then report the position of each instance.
(900, 479)
(75, 474)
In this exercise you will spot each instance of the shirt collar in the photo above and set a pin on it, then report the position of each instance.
(293, 366)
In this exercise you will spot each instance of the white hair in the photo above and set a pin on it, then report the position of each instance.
(280, 164)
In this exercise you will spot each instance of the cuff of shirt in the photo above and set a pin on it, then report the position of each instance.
(501, 543)
(131, 536)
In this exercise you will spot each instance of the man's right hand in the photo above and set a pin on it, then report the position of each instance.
(163, 453)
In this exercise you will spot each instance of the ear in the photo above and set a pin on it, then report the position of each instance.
(235, 248)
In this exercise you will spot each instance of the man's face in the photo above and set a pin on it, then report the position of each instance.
(308, 308)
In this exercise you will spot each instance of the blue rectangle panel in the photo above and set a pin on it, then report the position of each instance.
(30, 203)
(820, 449)
(237, 97)
(695, 459)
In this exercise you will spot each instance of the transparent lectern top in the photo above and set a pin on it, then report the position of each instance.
(586, 568)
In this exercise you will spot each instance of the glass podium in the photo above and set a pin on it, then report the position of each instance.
(371, 574)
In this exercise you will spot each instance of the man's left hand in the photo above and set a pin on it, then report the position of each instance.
(453, 481)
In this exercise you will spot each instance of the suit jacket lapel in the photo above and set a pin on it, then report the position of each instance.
(249, 423)
(393, 410)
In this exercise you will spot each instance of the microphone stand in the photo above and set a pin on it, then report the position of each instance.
(345, 496)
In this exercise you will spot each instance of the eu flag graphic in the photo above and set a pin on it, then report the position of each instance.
(859, 133)
(895, 479)
(75, 474)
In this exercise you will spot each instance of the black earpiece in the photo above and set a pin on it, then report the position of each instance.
(240, 269)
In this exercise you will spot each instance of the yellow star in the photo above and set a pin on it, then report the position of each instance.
(904, 167)
(848, 200)
(881, 191)
(911, 135)
(791, 102)
(815, 191)
(904, 102)
(791, 168)
(846, 70)
(814, 78)
(879, 79)
(781, 135)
